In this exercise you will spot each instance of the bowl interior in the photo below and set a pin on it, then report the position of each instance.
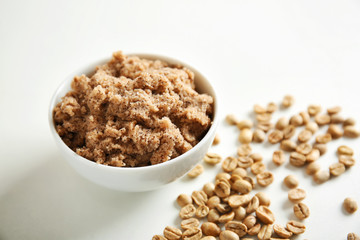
(202, 86)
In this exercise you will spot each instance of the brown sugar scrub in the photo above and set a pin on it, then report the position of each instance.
(133, 112)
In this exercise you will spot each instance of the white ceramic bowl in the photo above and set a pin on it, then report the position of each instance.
(139, 178)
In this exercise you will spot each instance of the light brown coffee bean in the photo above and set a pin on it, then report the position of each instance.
(345, 150)
(322, 119)
(183, 199)
(259, 136)
(321, 176)
(321, 147)
(258, 109)
(265, 215)
(296, 195)
(212, 158)
(304, 148)
(336, 169)
(265, 126)
(192, 234)
(353, 236)
(228, 235)
(289, 131)
(245, 124)
(250, 180)
(312, 168)
(231, 119)
(253, 205)
(223, 208)
(282, 123)
(271, 107)
(196, 171)
(222, 188)
(244, 162)
(158, 237)
(244, 150)
(291, 181)
(227, 217)
(304, 136)
(349, 122)
(278, 157)
(333, 110)
(296, 120)
(351, 132)
(336, 119)
(313, 155)
(254, 230)
(229, 164)
(172, 233)
(288, 145)
(263, 117)
(249, 221)
(188, 211)
(202, 211)
(242, 186)
(312, 127)
(265, 178)
(210, 229)
(275, 136)
(350, 205)
(301, 211)
(189, 223)
(281, 231)
(305, 117)
(295, 227)
(314, 109)
(287, 101)
(209, 188)
(213, 201)
(239, 200)
(265, 232)
(264, 199)
(199, 197)
(297, 159)
(335, 131)
(240, 213)
(213, 216)
(323, 138)
(234, 178)
(256, 157)
(240, 171)
(347, 160)
(216, 140)
(223, 175)
(257, 168)
(245, 136)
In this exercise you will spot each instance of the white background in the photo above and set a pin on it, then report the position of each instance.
(252, 52)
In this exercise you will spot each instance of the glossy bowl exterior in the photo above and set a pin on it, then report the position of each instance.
(139, 178)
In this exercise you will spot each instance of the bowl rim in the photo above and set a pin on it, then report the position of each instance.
(93, 65)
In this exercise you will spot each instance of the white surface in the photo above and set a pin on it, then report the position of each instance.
(252, 51)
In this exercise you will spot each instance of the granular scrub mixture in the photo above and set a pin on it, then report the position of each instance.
(133, 112)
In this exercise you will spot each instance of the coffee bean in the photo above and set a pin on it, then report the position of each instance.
(295, 227)
(172, 233)
(296, 195)
(301, 211)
